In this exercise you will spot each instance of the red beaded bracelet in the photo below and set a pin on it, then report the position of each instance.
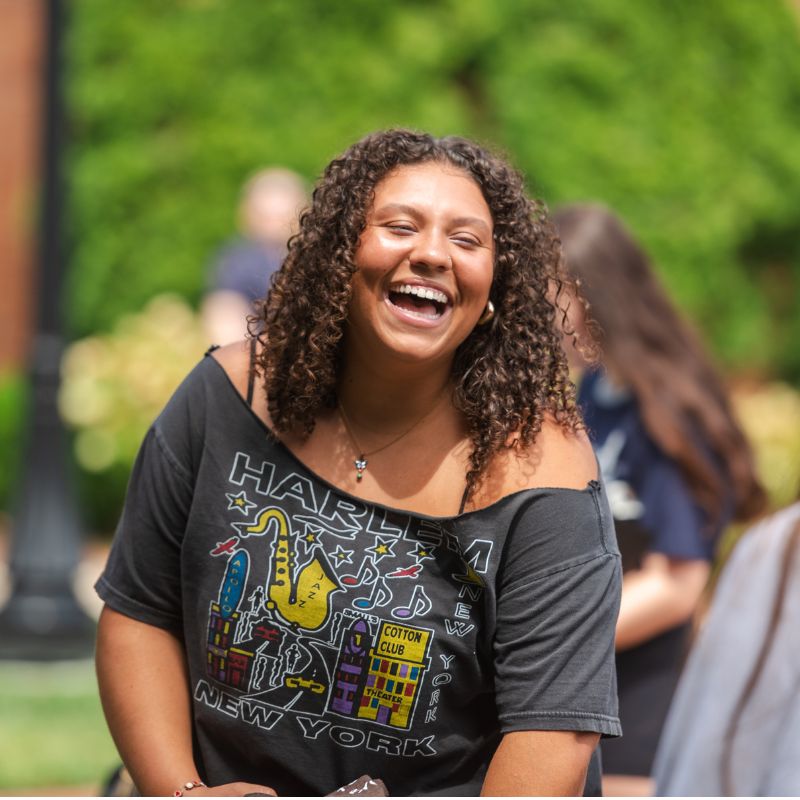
(187, 787)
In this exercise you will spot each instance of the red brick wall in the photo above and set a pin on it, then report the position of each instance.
(20, 102)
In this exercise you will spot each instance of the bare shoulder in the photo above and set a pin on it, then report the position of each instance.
(235, 360)
(559, 458)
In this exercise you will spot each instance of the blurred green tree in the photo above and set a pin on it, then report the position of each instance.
(680, 115)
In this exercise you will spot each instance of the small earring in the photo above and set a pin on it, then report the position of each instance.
(488, 313)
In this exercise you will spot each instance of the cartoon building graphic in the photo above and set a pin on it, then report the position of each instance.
(351, 669)
(397, 664)
(240, 665)
(221, 632)
(225, 663)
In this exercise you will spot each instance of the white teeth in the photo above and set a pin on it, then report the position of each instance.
(423, 292)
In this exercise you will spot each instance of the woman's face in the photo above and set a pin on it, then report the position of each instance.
(425, 264)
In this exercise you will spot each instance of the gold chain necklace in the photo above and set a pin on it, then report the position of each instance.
(361, 462)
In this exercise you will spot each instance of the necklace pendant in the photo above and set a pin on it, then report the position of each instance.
(361, 465)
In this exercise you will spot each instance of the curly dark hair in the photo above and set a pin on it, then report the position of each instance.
(507, 374)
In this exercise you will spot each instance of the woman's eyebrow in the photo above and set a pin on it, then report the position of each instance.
(402, 208)
(476, 222)
(397, 208)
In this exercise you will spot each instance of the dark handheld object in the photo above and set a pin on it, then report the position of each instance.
(362, 787)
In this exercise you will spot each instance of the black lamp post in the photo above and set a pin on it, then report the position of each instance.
(42, 619)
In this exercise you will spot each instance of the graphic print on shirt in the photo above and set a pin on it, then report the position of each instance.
(321, 610)
(226, 662)
(300, 595)
(378, 677)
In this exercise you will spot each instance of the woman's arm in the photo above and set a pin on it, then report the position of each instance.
(540, 763)
(141, 671)
(663, 593)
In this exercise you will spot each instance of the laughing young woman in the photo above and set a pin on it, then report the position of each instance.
(374, 540)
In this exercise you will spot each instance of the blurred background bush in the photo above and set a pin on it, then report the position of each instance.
(682, 116)
(115, 384)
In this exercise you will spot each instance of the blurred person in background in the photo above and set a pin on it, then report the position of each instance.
(734, 725)
(374, 539)
(271, 202)
(676, 463)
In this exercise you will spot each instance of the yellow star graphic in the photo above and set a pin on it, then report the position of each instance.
(381, 549)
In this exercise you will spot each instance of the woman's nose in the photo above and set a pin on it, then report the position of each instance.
(432, 250)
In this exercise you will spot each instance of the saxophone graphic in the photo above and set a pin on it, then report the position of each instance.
(301, 597)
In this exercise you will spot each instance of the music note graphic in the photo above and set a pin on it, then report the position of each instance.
(366, 574)
(418, 605)
(378, 597)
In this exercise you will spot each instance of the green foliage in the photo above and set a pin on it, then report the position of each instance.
(770, 416)
(52, 732)
(174, 103)
(681, 115)
(114, 386)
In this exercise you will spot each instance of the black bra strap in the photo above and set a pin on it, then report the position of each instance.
(463, 500)
(251, 374)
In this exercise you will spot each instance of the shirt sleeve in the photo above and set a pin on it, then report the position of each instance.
(557, 604)
(142, 578)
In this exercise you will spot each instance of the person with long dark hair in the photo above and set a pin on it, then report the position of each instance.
(675, 461)
(374, 539)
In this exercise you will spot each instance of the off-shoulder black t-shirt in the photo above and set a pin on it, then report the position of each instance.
(328, 637)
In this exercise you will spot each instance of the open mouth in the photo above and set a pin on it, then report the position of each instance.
(419, 301)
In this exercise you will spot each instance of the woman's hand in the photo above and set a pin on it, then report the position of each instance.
(237, 789)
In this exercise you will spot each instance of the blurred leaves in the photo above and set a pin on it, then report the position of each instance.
(770, 416)
(114, 386)
(683, 116)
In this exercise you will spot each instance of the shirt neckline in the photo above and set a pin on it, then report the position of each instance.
(592, 486)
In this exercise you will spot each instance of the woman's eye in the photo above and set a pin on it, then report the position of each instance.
(469, 241)
(399, 227)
